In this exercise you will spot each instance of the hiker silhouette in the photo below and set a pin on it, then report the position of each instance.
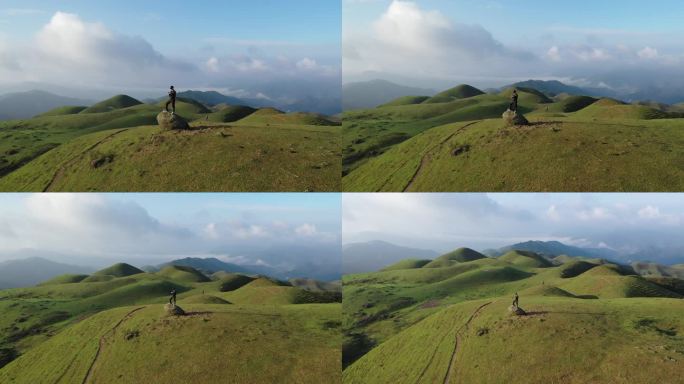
(172, 100)
(514, 101)
(172, 299)
(515, 300)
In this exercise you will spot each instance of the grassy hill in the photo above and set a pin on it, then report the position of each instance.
(70, 330)
(119, 270)
(457, 256)
(116, 102)
(116, 145)
(452, 324)
(460, 143)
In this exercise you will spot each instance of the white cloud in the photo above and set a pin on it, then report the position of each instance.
(306, 230)
(649, 212)
(407, 40)
(553, 54)
(212, 64)
(96, 228)
(70, 51)
(307, 64)
(648, 53)
(446, 221)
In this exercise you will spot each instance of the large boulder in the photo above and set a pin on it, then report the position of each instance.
(170, 121)
(514, 118)
(174, 310)
(516, 311)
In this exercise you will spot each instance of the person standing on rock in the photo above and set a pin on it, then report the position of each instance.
(172, 100)
(515, 300)
(514, 101)
(172, 299)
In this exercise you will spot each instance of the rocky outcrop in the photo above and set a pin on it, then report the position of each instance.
(170, 121)
(514, 118)
(174, 310)
(516, 311)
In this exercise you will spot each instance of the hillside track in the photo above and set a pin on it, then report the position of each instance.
(454, 354)
(102, 342)
(428, 154)
(61, 169)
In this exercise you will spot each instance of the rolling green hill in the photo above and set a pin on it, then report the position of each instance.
(117, 145)
(71, 330)
(116, 102)
(452, 324)
(119, 270)
(183, 274)
(61, 111)
(460, 255)
(525, 259)
(462, 144)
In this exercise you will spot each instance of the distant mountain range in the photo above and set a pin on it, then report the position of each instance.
(370, 94)
(554, 248)
(29, 271)
(24, 105)
(373, 255)
(33, 270)
(212, 265)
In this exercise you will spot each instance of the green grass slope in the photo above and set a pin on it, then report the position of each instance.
(211, 157)
(525, 259)
(564, 340)
(119, 270)
(89, 331)
(452, 324)
(462, 91)
(579, 144)
(203, 299)
(274, 116)
(286, 344)
(61, 111)
(183, 274)
(65, 279)
(116, 102)
(407, 264)
(460, 255)
(406, 100)
(231, 113)
(613, 155)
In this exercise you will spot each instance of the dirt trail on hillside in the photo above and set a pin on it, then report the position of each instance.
(101, 344)
(428, 155)
(454, 354)
(62, 168)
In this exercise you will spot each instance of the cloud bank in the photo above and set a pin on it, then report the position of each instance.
(72, 52)
(94, 229)
(637, 226)
(428, 48)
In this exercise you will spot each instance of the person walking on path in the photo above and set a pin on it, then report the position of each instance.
(172, 100)
(515, 300)
(172, 299)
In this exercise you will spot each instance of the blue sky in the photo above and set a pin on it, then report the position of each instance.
(632, 224)
(268, 49)
(302, 21)
(284, 231)
(625, 46)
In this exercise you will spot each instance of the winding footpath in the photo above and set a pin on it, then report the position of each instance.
(428, 155)
(74, 159)
(101, 344)
(454, 354)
